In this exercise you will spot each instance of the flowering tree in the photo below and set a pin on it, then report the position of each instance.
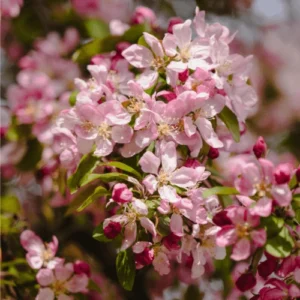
(152, 145)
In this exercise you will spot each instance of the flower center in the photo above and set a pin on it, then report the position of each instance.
(87, 126)
(59, 287)
(158, 63)
(92, 84)
(135, 105)
(104, 131)
(164, 129)
(242, 230)
(185, 54)
(163, 178)
(262, 188)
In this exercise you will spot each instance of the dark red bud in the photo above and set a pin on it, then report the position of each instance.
(174, 21)
(213, 153)
(144, 258)
(81, 267)
(221, 219)
(112, 230)
(192, 163)
(172, 241)
(246, 282)
(183, 76)
(298, 174)
(260, 147)
(282, 174)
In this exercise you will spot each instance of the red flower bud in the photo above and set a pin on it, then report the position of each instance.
(81, 267)
(143, 14)
(172, 241)
(260, 147)
(267, 267)
(282, 173)
(173, 21)
(221, 219)
(122, 46)
(246, 282)
(192, 163)
(144, 258)
(121, 193)
(112, 230)
(184, 75)
(213, 153)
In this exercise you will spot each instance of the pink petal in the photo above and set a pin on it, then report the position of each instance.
(154, 43)
(31, 242)
(150, 182)
(63, 272)
(148, 225)
(267, 170)
(129, 235)
(176, 225)
(104, 147)
(45, 294)
(138, 56)
(241, 250)
(184, 177)
(259, 237)
(114, 113)
(168, 193)
(147, 79)
(169, 157)
(189, 126)
(183, 33)
(282, 194)
(262, 208)
(149, 163)
(208, 133)
(45, 277)
(121, 134)
(77, 284)
(226, 236)
(35, 260)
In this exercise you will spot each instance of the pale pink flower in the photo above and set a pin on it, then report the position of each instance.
(60, 283)
(136, 211)
(39, 254)
(241, 233)
(11, 8)
(257, 179)
(161, 263)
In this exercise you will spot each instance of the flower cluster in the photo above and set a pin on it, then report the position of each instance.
(57, 279)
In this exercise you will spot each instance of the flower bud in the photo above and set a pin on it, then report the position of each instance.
(260, 147)
(173, 21)
(142, 15)
(246, 282)
(221, 219)
(144, 258)
(172, 241)
(81, 267)
(121, 194)
(122, 46)
(267, 267)
(192, 163)
(184, 75)
(112, 230)
(213, 153)
(282, 173)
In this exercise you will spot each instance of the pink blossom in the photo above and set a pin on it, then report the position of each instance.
(11, 8)
(60, 282)
(241, 233)
(39, 254)
(143, 14)
(121, 193)
(258, 179)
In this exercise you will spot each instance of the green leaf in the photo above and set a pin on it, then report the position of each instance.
(163, 226)
(107, 177)
(281, 245)
(133, 34)
(93, 286)
(80, 197)
(99, 235)
(99, 192)
(293, 182)
(272, 225)
(18, 132)
(123, 167)
(87, 164)
(10, 204)
(231, 122)
(96, 28)
(17, 261)
(193, 292)
(32, 156)
(296, 197)
(142, 42)
(126, 269)
(72, 98)
(220, 190)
